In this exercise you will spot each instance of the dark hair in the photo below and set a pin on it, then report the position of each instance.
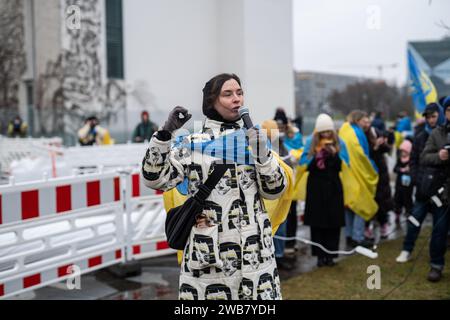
(211, 92)
(431, 108)
(91, 118)
(444, 102)
(280, 115)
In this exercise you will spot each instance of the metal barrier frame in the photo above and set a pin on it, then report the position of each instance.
(141, 246)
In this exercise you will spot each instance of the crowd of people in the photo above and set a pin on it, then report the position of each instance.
(356, 154)
(91, 132)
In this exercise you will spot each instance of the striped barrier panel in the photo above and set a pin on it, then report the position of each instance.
(138, 188)
(31, 200)
(59, 273)
(151, 248)
(34, 253)
(91, 221)
(50, 225)
(146, 220)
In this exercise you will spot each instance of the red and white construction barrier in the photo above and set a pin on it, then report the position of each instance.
(145, 216)
(91, 221)
(138, 188)
(44, 198)
(59, 273)
(151, 249)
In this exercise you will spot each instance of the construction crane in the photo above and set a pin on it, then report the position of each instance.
(379, 67)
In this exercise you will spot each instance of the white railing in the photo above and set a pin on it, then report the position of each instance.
(14, 149)
(145, 215)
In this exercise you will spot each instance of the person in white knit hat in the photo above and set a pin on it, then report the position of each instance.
(324, 123)
(324, 208)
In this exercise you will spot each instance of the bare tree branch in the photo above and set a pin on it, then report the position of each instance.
(441, 24)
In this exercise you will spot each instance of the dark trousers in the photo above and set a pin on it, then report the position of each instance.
(403, 199)
(382, 217)
(292, 223)
(328, 238)
(438, 243)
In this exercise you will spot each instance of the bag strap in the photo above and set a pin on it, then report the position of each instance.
(205, 189)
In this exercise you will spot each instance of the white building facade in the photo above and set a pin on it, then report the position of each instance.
(116, 58)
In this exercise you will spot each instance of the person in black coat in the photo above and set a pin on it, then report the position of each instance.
(381, 144)
(324, 208)
(431, 115)
(378, 122)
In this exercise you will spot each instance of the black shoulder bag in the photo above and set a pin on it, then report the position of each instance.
(179, 220)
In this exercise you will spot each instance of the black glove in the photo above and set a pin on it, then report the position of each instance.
(177, 118)
(257, 140)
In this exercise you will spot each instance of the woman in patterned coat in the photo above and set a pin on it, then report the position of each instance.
(230, 253)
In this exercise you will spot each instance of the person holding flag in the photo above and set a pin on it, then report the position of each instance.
(361, 206)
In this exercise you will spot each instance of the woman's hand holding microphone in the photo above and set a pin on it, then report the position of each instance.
(257, 139)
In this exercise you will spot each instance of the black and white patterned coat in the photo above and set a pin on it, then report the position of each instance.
(233, 258)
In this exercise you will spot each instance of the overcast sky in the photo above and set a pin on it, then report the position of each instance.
(353, 36)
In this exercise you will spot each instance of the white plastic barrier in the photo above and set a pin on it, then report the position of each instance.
(26, 158)
(138, 188)
(107, 156)
(18, 148)
(145, 216)
(90, 221)
(36, 254)
(29, 200)
(49, 227)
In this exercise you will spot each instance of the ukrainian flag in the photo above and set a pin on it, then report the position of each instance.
(422, 89)
(362, 173)
(359, 174)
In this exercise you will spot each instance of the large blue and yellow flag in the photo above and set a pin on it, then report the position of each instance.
(358, 174)
(362, 169)
(422, 89)
(302, 174)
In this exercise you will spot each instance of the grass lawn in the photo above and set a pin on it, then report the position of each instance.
(348, 279)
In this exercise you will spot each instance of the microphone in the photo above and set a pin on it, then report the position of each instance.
(243, 112)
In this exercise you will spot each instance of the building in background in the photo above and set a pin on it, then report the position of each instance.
(115, 58)
(313, 88)
(433, 57)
